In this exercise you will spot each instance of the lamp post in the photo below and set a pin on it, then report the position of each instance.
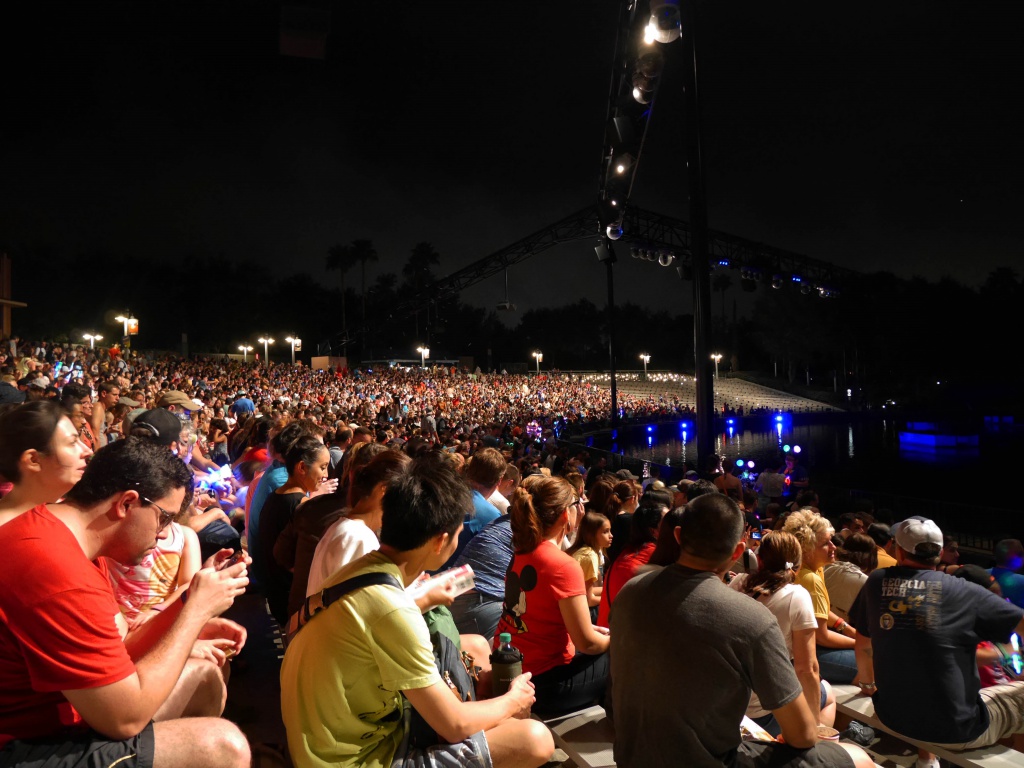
(716, 357)
(424, 354)
(92, 338)
(295, 342)
(646, 358)
(245, 350)
(538, 356)
(265, 341)
(126, 319)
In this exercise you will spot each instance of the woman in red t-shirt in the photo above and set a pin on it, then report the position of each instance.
(545, 607)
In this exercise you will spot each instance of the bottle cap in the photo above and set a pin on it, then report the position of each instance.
(505, 637)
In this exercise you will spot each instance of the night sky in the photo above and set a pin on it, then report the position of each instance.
(873, 135)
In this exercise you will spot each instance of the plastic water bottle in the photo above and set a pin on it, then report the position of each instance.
(506, 664)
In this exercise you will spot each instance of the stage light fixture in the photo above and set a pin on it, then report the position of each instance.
(776, 281)
(614, 231)
(664, 24)
(665, 258)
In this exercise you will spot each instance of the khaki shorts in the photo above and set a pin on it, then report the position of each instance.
(1005, 705)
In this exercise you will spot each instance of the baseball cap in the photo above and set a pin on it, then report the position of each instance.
(178, 398)
(915, 531)
(159, 425)
(128, 401)
(625, 474)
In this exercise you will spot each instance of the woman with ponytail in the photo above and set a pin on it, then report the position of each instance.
(545, 608)
(774, 587)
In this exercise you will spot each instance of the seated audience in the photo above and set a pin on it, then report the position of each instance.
(706, 648)
(835, 637)
(72, 695)
(350, 703)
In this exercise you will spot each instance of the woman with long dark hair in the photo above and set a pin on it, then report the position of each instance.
(41, 455)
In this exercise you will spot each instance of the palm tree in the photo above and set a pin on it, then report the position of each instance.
(362, 252)
(341, 258)
(417, 269)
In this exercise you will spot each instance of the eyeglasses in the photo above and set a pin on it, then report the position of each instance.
(165, 516)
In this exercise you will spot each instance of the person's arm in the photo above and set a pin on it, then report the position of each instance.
(99, 415)
(585, 636)
(799, 729)
(122, 709)
(202, 463)
(805, 662)
(866, 664)
(593, 593)
(455, 720)
(826, 638)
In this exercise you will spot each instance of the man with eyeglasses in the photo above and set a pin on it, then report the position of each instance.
(71, 692)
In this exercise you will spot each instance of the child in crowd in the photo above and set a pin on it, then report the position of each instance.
(593, 539)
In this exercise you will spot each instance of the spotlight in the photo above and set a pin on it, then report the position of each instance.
(650, 429)
(786, 449)
(665, 258)
(776, 281)
(796, 449)
(750, 465)
(614, 231)
(806, 288)
(739, 462)
(778, 418)
(797, 279)
(664, 24)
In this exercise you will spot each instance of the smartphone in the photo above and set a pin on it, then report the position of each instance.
(1015, 656)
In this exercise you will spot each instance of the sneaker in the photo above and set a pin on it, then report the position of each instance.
(859, 733)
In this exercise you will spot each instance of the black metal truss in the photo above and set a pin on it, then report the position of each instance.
(645, 230)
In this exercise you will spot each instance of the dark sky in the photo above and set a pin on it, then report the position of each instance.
(873, 135)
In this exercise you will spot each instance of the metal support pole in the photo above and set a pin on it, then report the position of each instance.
(698, 243)
(611, 340)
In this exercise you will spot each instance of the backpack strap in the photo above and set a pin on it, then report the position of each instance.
(316, 603)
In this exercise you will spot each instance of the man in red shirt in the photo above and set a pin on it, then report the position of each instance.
(70, 693)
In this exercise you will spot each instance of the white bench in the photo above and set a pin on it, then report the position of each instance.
(587, 737)
(852, 703)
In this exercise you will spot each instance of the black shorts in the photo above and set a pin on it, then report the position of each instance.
(85, 750)
(761, 754)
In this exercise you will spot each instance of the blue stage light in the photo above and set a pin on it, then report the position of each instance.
(739, 462)
(786, 449)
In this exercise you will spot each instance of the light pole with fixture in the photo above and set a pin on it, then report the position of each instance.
(538, 356)
(265, 341)
(129, 322)
(424, 354)
(245, 349)
(92, 338)
(646, 358)
(716, 357)
(296, 344)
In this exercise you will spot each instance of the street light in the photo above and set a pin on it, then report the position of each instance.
(716, 357)
(646, 358)
(265, 341)
(424, 354)
(245, 350)
(539, 356)
(92, 338)
(295, 342)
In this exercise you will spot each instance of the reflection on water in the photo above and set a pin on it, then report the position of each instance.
(859, 454)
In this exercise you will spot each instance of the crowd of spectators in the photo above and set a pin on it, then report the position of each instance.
(303, 484)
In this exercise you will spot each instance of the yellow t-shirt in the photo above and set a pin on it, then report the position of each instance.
(814, 582)
(590, 562)
(342, 676)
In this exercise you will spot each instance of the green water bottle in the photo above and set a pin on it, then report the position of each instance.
(506, 664)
